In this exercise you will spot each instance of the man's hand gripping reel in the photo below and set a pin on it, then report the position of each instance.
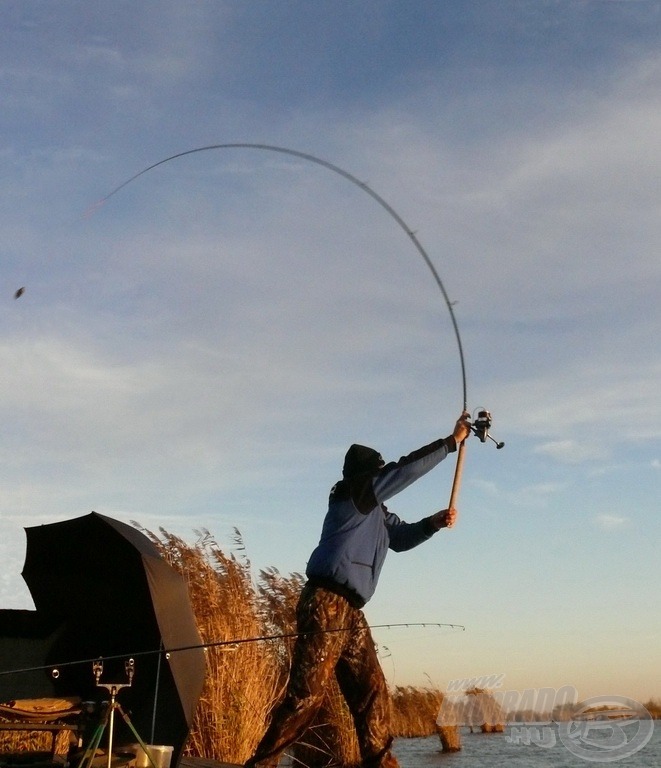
(480, 427)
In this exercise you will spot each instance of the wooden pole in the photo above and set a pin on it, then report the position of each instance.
(456, 483)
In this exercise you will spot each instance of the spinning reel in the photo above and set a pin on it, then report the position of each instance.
(481, 426)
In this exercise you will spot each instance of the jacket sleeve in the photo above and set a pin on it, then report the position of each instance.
(398, 475)
(405, 536)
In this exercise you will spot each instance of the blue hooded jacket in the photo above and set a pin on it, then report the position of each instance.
(358, 529)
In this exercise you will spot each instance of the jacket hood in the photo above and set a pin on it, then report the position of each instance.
(360, 459)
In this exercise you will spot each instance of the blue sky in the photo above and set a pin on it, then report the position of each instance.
(201, 350)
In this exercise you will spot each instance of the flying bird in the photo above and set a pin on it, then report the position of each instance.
(19, 293)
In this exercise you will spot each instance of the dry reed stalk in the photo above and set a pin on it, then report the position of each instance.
(331, 739)
(35, 741)
(486, 712)
(450, 738)
(450, 714)
(242, 681)
(415, 711)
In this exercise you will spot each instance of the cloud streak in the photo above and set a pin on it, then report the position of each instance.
(611, 522)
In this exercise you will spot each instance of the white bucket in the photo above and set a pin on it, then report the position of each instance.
(160, 755)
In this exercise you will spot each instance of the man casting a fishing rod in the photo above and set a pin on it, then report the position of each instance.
(342, 574)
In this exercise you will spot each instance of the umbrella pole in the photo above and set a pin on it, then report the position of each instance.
(156, 687)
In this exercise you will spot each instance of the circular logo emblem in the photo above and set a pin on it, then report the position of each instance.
(604, 729)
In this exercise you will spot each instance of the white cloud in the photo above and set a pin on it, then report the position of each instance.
(534, 494)
(609, 522)
(487, 487)
(570, 451)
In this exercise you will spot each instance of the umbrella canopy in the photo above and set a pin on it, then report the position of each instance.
(116, 596)
(25, 642)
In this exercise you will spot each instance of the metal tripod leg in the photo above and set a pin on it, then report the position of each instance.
(108, 718)
(128, 722)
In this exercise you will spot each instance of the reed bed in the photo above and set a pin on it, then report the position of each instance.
(243, 681)
(485, 711)
(415, 713)
(415, 710)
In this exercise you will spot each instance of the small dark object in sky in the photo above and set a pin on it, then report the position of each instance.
(19, 293)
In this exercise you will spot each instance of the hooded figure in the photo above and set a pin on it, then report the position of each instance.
(334, 637)
(360, 459)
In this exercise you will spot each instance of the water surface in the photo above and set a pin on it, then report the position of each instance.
(488, 750)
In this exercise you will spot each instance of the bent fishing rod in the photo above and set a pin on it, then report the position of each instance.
(55, 668)
(482, 422)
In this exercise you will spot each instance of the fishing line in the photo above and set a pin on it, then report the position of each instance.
(349, 177)
(219, 643)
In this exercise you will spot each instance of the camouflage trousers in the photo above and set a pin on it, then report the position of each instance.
(350, 656)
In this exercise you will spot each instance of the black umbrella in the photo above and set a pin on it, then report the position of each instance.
(116, 596)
